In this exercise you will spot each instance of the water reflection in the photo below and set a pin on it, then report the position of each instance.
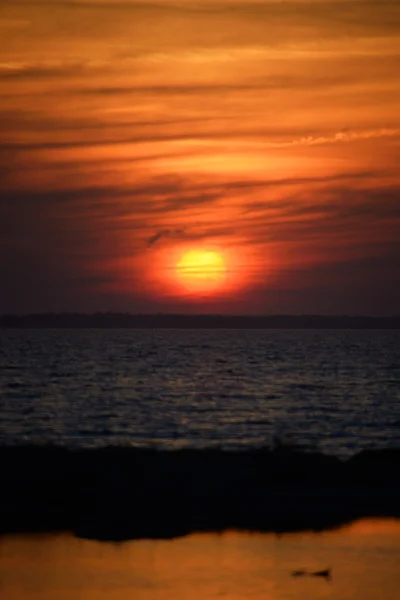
(364, 558)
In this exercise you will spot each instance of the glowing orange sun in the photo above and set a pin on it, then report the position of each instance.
(201, 271)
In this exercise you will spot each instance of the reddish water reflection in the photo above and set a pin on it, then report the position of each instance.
(364, 558)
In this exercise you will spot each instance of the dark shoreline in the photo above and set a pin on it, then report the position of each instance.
(117, 493)
(170, 321)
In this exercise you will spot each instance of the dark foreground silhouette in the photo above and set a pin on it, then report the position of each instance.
(125, 493)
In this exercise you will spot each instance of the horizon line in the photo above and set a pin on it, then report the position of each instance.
(195, 315)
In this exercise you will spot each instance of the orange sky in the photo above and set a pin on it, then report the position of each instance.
(132, 132)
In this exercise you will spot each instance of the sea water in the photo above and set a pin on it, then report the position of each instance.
(337, 390)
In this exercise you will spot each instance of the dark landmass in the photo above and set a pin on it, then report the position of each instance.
(117, 493)
(160, 321)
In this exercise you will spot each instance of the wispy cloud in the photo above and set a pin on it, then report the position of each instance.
(163, 233)
(130, 128)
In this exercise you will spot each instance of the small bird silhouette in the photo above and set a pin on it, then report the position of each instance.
(326, 573)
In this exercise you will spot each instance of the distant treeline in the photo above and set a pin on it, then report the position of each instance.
(109, 320)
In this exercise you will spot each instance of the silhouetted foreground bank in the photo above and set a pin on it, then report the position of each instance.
(126, 321)
(125, 493)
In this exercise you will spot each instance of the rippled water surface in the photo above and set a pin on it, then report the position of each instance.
(174, 388)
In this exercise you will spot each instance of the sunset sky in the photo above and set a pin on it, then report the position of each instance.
(262, 136)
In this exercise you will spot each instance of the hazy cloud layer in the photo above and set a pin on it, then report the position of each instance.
(133, 130)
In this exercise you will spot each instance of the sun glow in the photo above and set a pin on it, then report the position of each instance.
(207, 271)
(201, 271)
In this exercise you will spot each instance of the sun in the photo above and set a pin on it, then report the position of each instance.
(201, 271)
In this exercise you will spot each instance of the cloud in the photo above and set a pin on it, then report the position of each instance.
(154, 239)
(50, 69)
(269, 127)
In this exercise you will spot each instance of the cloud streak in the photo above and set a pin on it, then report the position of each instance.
(163, 233)
(130, 130)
